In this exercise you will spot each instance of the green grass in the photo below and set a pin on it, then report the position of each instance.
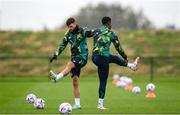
(13, 91)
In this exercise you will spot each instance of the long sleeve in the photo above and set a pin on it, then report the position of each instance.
(88, 32)
(118, 47)
(61, 46)
(84, 32)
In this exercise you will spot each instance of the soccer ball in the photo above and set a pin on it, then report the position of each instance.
(150, 87)
(128, 80)
(116, 77)
(39, 103)
(136, 90)
(65, 108)
(30, 98)
(121, 84)
(123, 78)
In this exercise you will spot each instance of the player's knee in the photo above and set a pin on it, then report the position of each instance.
(70, 64)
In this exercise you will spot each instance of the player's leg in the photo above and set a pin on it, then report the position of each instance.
(70, 65)
(76, 91)
(76, 86)
(121, 62)
(68, 68)
(117, 60)
(103, 71)
(79, 63)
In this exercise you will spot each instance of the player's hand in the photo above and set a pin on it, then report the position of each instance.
(53, 58)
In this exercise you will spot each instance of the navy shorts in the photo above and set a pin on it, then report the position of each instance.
(79, 62)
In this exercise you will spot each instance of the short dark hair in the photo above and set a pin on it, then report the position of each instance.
(70, 21)
(105, 20)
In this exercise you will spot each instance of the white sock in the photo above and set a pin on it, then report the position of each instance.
(77, 101)
(100, 102)
(59, 76)
(130, 65)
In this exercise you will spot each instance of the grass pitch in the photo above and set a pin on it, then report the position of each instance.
(13, 91)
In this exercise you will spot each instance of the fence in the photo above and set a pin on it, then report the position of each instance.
(38, 66)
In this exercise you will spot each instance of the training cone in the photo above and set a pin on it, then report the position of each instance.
(128, 87)
(150, 94)
(115, 81)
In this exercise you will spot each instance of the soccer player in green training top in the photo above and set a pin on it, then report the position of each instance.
(75, 36)
(101, 56)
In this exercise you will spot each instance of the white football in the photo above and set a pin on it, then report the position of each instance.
(136, 90)
(150, 87)
(39, 103)
(65, 108)
(30, 98)
(115, 77)
(128, 80)
(123, 78)
(121, 84)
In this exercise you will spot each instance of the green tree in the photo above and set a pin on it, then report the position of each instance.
(122, 17)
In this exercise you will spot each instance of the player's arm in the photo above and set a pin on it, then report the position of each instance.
(118, 47)
(88, 32)
(62, 45)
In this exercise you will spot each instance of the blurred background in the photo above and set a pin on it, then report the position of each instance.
(30, 31)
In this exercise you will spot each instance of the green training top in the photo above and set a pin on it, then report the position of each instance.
(102, 41)
(77, 41)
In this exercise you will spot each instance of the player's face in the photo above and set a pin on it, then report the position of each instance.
(72, 26)
(109, 25)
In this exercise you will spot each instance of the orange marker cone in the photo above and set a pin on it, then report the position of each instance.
(150, 94)
(128, 87)
(115, 81)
